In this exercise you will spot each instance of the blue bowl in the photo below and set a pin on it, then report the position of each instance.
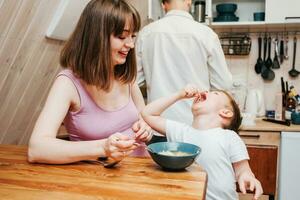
(226, 18)
(169, 155)
(226, 8)
(259, 16)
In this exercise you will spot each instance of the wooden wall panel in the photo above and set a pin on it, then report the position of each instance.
(8, 11)
(28, 63)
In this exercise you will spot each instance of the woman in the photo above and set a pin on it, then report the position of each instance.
(96, 95)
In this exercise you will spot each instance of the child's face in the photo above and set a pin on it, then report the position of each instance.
(210, 102)
(121, 45)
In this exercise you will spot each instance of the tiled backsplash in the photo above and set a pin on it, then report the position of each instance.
(242, 68)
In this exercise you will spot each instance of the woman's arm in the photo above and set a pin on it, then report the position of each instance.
(137, 97)
(246, 178)
(46, 148)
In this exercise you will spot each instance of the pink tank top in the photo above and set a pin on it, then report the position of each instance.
(91, 122)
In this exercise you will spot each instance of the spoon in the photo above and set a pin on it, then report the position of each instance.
(103, 162)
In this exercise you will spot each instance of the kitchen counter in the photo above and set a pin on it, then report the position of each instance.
(269, 126)
(133, 178)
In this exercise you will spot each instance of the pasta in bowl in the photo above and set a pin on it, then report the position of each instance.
(173, 156)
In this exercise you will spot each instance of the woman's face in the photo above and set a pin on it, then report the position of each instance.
(121, 45)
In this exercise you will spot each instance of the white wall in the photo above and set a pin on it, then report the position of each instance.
(243, 66)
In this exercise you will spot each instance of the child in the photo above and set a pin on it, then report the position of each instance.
(95, 95)
(216, 119)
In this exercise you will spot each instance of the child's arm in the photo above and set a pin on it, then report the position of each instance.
(246, 178)
(152, 111)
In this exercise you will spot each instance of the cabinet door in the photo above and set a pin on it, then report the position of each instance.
(279, 11)
(155, 10)
(263, 162)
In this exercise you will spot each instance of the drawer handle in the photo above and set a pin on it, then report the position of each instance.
(286, 18)
(250, 136)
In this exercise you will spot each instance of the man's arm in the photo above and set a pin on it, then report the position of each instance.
(220, 76)
(153, 110)
(139, 61)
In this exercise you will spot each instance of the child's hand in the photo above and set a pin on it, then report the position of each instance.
(189, 91)
(249, 182)
(143, 131)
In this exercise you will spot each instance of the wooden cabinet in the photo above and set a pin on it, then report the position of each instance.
(278, 11)
(263, 149)
(245, 10)
(263, 162)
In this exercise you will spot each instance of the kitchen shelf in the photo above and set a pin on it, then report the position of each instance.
(277, 14)
(239, 23)
(255, 27)
(245, 9)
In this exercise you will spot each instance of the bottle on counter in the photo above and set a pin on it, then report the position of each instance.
(278, 107)
(291, 104)
(294, 94)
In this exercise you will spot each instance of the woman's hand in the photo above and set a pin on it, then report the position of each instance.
(142, 130)
(118, 146)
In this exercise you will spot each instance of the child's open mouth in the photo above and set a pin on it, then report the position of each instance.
(201, 97)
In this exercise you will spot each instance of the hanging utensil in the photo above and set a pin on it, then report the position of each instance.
(263, 66)
(281, 50)
(268, 73)
(286, 44)
(293, 72)
(259, 61)
(276, 64)
(269, 62)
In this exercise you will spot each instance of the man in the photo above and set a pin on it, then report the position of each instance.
(175, 51)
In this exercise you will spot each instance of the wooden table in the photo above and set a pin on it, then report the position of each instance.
(133, 178)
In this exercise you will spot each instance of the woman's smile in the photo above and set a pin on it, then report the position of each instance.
(123, 53)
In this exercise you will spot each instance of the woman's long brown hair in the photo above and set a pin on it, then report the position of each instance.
(88, 50)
